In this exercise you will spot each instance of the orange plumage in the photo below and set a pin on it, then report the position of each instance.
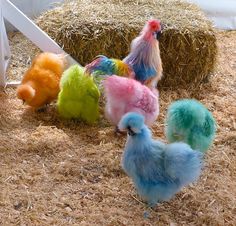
(40, 84)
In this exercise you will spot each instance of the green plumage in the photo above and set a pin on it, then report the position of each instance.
(79, 96)
(189, 121)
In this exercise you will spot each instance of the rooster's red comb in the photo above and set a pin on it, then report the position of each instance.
(155, 25)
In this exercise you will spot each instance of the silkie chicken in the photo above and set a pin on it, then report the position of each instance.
(189, 121)
(79, 96)
(102, 66)
(144, 56)
(124, 95)
(40, 84)
(158, 170)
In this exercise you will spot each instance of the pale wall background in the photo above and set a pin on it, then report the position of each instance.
(32, 8)
(221, 12)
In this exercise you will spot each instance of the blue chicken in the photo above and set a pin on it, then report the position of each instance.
(158, 170)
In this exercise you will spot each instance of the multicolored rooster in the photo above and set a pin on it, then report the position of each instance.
(144, 56)
(143, 62)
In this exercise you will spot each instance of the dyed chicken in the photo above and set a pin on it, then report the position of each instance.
(190, 121)
(124, 95)
(158, 170)
(40, 84)
(79, 96)
(144, 56)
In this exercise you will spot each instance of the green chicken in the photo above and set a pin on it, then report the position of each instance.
(79, 95)
(190, 121)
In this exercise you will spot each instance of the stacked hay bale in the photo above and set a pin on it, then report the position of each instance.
(86, 28)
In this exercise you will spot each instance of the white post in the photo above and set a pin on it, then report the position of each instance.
(4, 49)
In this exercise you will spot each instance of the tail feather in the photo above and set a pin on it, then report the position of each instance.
(123, 69)
(25, 92)
(101, 65)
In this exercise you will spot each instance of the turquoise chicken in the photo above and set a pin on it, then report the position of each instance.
(189, 121)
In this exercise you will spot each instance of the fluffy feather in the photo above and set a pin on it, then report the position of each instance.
(79, 95)
(102, 66)
(124, 95)
(158, 170)
(144, 56)
(190, 121)
(40, 84)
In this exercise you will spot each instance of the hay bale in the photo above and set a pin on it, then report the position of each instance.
(88, 28)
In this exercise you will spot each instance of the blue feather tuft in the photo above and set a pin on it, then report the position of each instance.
(132, 120)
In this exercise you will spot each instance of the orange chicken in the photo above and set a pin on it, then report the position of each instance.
(40, 84)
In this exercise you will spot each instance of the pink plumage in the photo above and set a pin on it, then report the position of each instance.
(128, 95)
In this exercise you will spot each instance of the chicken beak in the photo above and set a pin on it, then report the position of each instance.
(23, 102)
(158, 35)
(130, 131)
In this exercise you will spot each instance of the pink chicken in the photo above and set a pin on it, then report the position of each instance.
(128, 95)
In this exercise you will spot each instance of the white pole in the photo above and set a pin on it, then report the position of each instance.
(4, 49)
